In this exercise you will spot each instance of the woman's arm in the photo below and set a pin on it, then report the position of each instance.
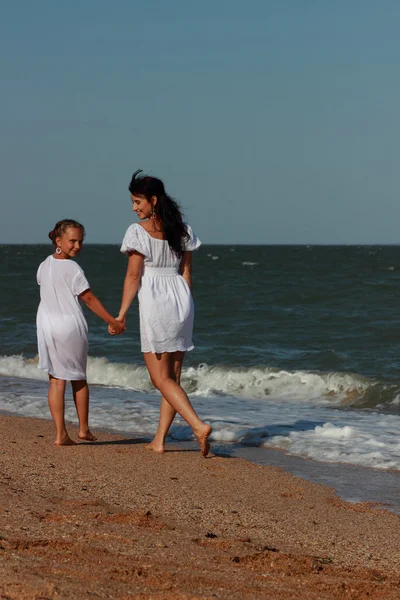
(131, 283)
(96, 306)
(185, 268)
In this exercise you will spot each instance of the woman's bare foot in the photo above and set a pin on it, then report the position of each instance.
(202, 438)
(155, 447)
(65, 441)
(87, 435)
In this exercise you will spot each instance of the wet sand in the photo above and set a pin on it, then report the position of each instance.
(113, 520)
(351, 482)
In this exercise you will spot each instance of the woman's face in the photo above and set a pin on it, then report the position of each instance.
(142, 207)
(70, 242)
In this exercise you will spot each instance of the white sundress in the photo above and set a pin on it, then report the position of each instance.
(165, 301)
(62, 331)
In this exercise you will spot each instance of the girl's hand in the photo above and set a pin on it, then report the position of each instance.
(118, 327)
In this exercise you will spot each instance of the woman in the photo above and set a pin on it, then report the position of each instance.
(159, 268)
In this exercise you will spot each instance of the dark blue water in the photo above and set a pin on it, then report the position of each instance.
(291, 307)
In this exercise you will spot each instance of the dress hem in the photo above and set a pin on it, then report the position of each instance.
(167, 351)
(63, 378)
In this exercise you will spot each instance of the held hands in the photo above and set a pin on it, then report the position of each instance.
(118, 327)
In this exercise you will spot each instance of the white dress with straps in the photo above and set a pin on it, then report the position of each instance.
(165, 301)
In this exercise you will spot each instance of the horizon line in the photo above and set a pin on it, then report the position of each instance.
(319, 244)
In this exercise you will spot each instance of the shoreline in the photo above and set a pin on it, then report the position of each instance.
(352, 483)
(111, 519)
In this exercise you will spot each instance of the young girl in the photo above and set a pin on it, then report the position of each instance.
(159, 266)
(62, 330)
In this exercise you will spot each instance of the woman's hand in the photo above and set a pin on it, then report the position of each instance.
(119, 326)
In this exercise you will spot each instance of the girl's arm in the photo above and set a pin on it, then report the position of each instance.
(185, 268)
(131, 283)
(96, 306)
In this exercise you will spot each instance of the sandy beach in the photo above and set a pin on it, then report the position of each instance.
(113, 520)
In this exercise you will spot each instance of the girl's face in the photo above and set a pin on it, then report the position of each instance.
(70, 242)
(142, 207)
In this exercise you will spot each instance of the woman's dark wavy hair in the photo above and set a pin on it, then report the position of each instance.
(62, 226)
(167, 209)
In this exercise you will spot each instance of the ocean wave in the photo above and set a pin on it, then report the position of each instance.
(100, 371)
(325, 389)
(356, 444)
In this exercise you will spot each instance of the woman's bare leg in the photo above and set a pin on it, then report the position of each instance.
(167, 413)
(56, 399)
(80, 390)
(159, 367)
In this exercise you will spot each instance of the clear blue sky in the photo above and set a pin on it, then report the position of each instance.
(271, 121)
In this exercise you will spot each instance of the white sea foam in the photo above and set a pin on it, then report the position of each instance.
(248, 263)
(261, 383)
(367, 442)
(17, 366)
(395, 401)
(204, 380)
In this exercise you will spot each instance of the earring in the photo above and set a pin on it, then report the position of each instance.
(58, 250)
(153, 213)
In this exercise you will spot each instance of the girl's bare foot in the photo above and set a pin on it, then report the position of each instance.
(65, 441)
(202, 438)
(87, 435)
(155, 447)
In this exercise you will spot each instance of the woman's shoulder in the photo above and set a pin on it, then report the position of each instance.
(189, 230)
(135, 229)
(134, 226)
(192, 242)
(136, 238)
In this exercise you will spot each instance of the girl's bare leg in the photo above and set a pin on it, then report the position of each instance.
(56, 399)
(159, 367)
(167, 413)
(80, 390)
